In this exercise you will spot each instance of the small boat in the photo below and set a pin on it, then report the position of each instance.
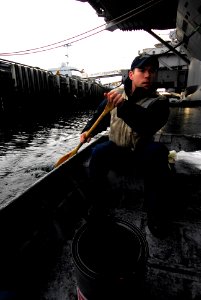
(38, 226)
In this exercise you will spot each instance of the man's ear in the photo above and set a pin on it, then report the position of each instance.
(130, 74)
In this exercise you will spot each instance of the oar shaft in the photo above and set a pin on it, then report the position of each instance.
(94, 125)
(78, 146)
(108, 108)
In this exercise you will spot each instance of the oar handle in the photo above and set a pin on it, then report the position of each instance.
(109, 106)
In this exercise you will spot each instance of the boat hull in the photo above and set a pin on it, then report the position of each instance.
(38, 224)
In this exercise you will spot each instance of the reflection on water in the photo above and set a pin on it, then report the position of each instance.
(29, 151)
(184, 121)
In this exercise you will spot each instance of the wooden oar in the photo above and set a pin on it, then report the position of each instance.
(109, 106)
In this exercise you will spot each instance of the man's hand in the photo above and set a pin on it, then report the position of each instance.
(114, 97)
(83, 138)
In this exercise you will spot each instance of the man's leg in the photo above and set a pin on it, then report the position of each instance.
(103, 157)
(158, 182)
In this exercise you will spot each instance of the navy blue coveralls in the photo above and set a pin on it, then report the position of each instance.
(149, 157)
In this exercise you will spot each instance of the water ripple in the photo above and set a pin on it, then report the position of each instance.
(29, 151)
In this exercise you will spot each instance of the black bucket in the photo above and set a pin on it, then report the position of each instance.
(110, 260)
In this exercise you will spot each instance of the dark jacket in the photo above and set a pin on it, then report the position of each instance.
(146, 121)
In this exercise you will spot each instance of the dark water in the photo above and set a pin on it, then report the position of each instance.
(29, 150)
(184, 121)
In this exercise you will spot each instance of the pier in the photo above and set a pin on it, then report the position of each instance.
(26, 89)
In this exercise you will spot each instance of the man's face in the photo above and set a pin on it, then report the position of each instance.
(142, 77)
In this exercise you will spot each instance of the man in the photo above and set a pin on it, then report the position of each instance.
(139, 112)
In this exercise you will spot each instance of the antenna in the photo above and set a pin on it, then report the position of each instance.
(67, 55)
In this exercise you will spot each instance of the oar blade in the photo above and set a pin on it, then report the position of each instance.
(65, 157)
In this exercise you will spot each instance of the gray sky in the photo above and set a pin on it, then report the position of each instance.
(37, 23)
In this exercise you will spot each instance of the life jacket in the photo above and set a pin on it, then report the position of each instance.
(122, 134)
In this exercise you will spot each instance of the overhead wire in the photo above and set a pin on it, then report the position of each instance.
(88, 33)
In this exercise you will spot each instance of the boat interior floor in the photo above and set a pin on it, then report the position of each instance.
(174, 262)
